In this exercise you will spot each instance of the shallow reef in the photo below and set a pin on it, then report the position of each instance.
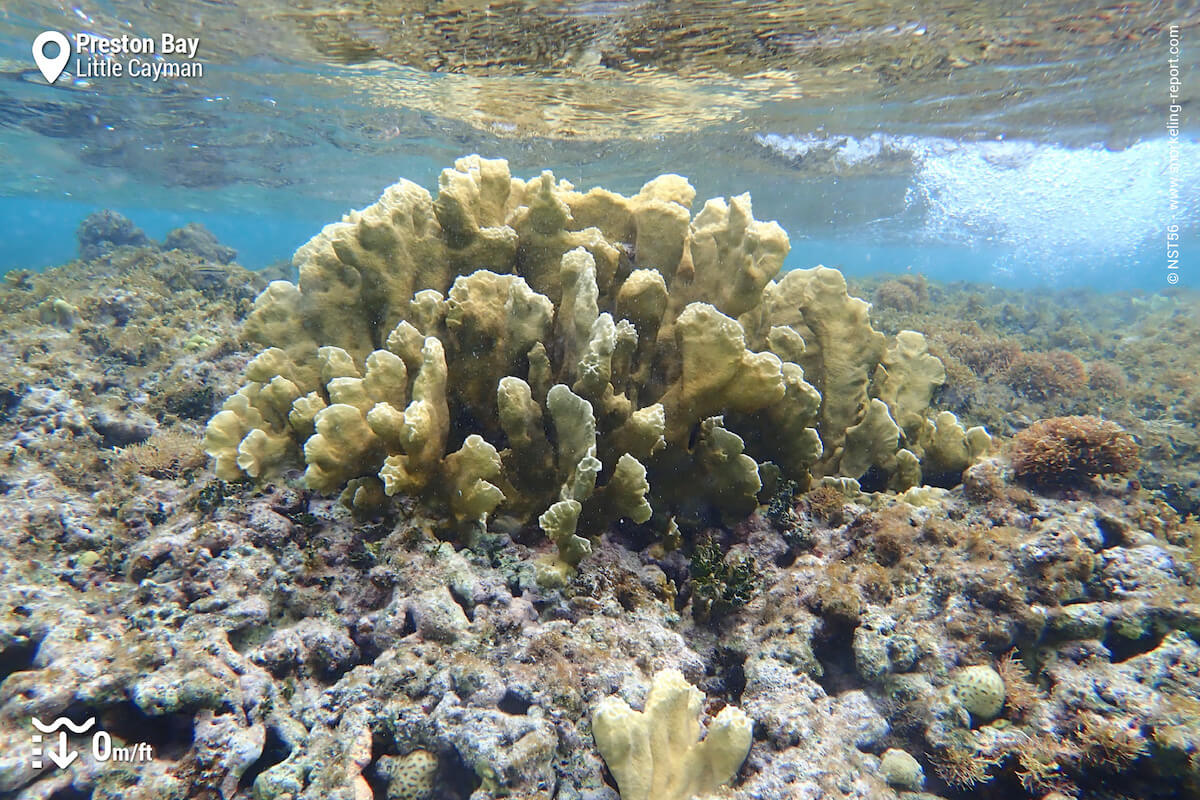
(988, 632)
(1014, 357)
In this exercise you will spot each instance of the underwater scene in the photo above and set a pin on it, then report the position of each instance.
(599, 400)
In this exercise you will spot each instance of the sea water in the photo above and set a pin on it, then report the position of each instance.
(1053, 162)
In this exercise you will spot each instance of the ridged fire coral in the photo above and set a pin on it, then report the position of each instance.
(1064, 450)
(579, 356)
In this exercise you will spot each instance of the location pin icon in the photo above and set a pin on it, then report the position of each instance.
(51, 67)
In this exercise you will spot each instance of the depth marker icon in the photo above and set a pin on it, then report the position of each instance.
(62, 756)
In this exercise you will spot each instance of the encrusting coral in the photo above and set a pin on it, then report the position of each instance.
(575, 357)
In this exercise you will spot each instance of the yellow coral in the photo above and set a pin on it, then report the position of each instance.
(657, 753)
(597, 357)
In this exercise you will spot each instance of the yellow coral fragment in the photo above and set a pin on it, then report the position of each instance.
(425, 426)
(627, 488)
(578, 308)
(304, 412)
(349, 392)
(387, 422)
(657, 753)
(520, 416)
(406, 341)
(642, 435)
(386, 379)
(468, 470)
(222, 436)
(731, 478)
(643, 300)
(951, 449)
(258, 412)
(373, 261)
(906, 380)
(734, 255)
(575, 426)
(872, 442)
(270, 363)
(260, 454)
(559, 523)
(492, 321)
(718, 372)
(342, 448)
(336, 363)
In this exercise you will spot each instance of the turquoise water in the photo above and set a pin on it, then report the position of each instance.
(1016, 214)
(1047, 166)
